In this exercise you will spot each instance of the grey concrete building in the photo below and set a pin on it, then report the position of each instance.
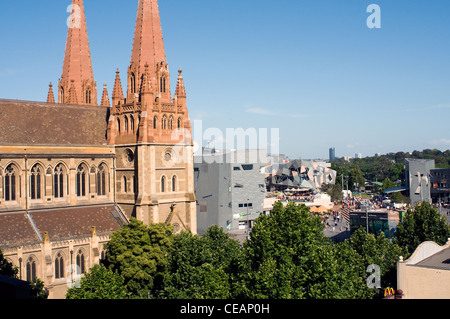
(230, 188)
(417, 176)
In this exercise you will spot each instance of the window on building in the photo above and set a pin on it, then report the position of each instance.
(155, 122)
(101, 180)
(88, 96)
(170, 123)
(125, 124)
(174, 183)
(236, 168)
(164, 123)
(133, 83)
(81, 181)
(35, 182)
(162, 84)
(125, 184)
(59, 267)
(31, 269)
(132, 123)
(11, 177)
(118, 125)
(180, 122)
(163, 184)
(247, 167)
(81, 265)
(58, 181)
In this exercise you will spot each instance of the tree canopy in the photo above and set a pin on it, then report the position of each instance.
(423, 223)
(140, 255)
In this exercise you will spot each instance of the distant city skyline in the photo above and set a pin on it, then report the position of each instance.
(312, 69)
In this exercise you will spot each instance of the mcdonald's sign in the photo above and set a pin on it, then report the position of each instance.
(389, 292)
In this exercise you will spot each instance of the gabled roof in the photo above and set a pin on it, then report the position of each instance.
(20, 228)
(35, 123)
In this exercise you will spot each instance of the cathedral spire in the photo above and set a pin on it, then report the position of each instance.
(77, 60)
(50, 95)
(105, 98)
(117, 94)
(180, 91)
(148, 48)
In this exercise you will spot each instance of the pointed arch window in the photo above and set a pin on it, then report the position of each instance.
(164, 123)
(155, 122)
(162, 84)
(59, 266)
(163, 184)
(10, 183)
(88, 96)
(132, 123)
(36, 182)
(174, 183)
(81, 265)
(61, 95)
(125, 184)
(170, 123)
(180, 123)
(31, 269)
(101, 180)
(125, 125)
(58, 181)
(133, 83)
(118, 125)
(81, 181)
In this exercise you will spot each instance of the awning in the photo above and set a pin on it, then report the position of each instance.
(395, 189)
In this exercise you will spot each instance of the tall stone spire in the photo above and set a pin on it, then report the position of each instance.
(77, 60)
(117, 94)
(180, 91)
(148, 48)
(105, 98)
(50, 95)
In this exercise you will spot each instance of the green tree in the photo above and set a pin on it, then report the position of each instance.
(37, 289)
(334, 190)
(288, 257)
(424, 223)
(140, 255)
(202, 267)
(387, 183)
(356, 179)
(99, 283)
(378, 250)
(6, 268)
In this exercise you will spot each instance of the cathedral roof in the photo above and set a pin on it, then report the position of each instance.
(35, 123)
(20, 228)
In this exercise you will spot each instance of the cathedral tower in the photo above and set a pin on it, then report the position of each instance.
(152, 132)
(77, 84)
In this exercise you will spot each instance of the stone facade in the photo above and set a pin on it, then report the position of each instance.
(72, 173)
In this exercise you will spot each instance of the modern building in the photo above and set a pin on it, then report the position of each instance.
(332, 153)
(299, 175)
(72, 172)
(426, 274)
(230, 189)
(440, 185)
(385, 221)
(417, 177)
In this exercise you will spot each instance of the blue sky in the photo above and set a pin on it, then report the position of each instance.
(311, 68)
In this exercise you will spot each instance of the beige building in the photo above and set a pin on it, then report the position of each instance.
(73, 172)
(426, 274)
